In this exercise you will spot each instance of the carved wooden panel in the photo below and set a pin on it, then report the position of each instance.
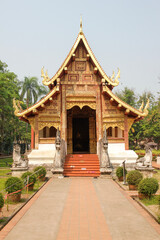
(70, 88)
(73, 77)
(80, 88)
(80, 66)
(87, 77)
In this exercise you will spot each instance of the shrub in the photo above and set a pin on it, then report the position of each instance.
(1, 200)
(119, 172)
(13, 184)
(41, 173)
(148, 186)
(32, 178)
(134, 177)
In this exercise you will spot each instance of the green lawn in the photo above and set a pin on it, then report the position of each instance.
(5, 161)
(2, 183)
(157, 175)
(5, 172)
(151, 201)
(156, 152)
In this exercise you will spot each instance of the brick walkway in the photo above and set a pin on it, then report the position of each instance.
(155, 165)
(82, 209)
(83, 218)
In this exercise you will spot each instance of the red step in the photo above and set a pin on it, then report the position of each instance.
(81, 165)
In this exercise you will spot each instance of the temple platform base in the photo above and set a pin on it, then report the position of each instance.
(43, 156)
(106, 171)
(118, 154)
(58, 171)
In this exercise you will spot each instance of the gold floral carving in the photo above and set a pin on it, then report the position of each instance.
(113, 125)
(32, 122)
(38, 104)
(92, 105)
(130, 122)
(81, 101)
(125, 105)
(81, 37)
(41, 125)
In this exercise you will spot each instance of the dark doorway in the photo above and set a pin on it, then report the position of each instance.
(80, 135)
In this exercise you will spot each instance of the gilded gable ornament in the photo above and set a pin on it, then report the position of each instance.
(44, 76)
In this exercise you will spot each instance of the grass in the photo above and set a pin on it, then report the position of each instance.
(5, 172)
(151, 201)
(4, 162)
(157, 175)
(2, 183)
(156, 152)
(3, 219)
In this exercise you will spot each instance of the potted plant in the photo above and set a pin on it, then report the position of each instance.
(31, 179)
(40, 172)
(147, 187)
(133, 179)
(1, 202)
(14, 185)
(119, 173)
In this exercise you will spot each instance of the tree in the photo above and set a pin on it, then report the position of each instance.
(127, 95)
(144, 97)
(9, 90)
(31, 90)
(151, 126)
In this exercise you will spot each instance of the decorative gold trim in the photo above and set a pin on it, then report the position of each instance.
(130, 122)
(125, 105)
(15, 107)
(44, 76)
(32, 122)
(38, 104)
(113, 125)
(80, 101)
(80, 37)
(69, 105)
(81, 31)
(141, 107)
(41, 125)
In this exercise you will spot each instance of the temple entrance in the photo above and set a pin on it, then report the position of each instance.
(81, 130)
(80, 135)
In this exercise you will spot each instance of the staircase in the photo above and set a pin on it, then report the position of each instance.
(81, 165)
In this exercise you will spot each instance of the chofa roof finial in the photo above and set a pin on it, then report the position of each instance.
(81, 31)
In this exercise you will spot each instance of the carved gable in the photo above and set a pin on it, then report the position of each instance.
(80, 71)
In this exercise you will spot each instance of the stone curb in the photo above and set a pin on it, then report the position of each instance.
(135, 198)
(146, 209)
(22, 205)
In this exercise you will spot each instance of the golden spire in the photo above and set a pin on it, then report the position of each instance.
(81, 31)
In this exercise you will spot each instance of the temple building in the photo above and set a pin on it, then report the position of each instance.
(80, 106)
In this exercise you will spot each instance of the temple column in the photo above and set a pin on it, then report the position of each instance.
(98, 116)
(99, 129)
(126, 139)
(69, 135)
(36, 132)
(64, 115)
(32, 139)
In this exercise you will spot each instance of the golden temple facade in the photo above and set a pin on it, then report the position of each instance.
(81, 104)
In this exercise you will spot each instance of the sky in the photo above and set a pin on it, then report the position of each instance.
(122, 34)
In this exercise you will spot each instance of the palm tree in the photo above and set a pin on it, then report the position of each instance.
(31, 90)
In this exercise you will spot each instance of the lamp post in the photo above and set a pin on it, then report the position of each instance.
(124, 173)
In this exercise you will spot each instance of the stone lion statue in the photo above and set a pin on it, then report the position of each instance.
(145, 161)
(17, 160)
